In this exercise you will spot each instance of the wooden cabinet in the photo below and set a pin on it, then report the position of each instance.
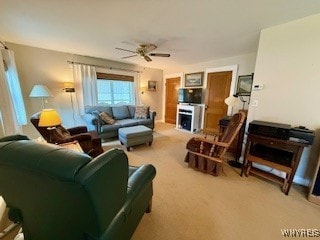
(282, 155)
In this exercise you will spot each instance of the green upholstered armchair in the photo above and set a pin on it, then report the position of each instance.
(56, 193)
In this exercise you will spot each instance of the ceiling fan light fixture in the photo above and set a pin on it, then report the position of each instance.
(147, 58)
(144, 52)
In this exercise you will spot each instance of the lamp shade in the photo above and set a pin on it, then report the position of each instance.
(231, 101)
(40, 91)
(49, 118)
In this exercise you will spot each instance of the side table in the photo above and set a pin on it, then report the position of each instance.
(283, 155)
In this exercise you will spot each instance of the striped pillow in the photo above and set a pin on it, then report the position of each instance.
(106, 118)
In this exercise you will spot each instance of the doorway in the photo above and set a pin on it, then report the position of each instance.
(172, 88)
(218, 89)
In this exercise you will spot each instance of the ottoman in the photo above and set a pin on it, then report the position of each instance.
(132, 136)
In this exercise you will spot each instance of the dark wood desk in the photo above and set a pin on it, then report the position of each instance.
(283, 155)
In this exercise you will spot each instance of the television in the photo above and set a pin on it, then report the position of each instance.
(190, 95)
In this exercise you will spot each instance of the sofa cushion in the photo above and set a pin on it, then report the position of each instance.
(132, 110)
(141, 112)
(120, 112)
(110, 128)
(145, 122)
(106, 118)
(127, 122)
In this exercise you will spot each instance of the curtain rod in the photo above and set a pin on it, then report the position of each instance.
(111, 68)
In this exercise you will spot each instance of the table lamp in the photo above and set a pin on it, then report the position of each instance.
(40, 91)
(49, 118)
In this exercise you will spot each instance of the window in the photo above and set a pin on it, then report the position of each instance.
(13, 84)
(114, 89)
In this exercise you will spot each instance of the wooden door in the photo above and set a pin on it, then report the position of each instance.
(218, 89)
(172, 88)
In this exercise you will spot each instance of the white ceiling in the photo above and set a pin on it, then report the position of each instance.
(191, 31)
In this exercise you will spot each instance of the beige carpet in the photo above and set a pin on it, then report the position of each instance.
(188, 204)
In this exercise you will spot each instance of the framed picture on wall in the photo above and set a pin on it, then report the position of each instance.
(244, 85)
(193, 79)
(152, 85)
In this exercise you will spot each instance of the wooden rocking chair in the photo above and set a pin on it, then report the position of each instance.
(207, 155)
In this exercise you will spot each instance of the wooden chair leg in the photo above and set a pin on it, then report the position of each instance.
(285, 183)
(149, 207)
(249, 164)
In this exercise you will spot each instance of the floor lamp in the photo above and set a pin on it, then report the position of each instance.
(40, 91)
(69, 88)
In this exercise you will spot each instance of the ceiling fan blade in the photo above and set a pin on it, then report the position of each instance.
(122, 49)
(148, 47)
(160, 54)
(147, 58)
(130, 56)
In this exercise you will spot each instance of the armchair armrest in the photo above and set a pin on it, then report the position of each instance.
(92, 122)
(79, 137)
(77, 130)
(140, 178)
(139, 183)
(214, 134)
(213, 142)
(152, 114)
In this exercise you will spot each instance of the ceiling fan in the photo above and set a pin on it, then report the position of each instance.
(144, 51)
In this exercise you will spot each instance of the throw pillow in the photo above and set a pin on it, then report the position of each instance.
(106, 118)
(141, 112)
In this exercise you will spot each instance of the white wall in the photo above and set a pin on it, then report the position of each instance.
(288, 64)
(246, 65)
(41, 66)
(152, 98)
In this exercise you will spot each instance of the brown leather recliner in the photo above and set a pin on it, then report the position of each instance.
(89, 141)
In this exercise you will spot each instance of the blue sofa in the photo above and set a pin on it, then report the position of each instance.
(123, 115)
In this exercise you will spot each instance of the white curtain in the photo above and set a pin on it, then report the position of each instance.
(12, 109)
(137, 89)
(85, 81)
